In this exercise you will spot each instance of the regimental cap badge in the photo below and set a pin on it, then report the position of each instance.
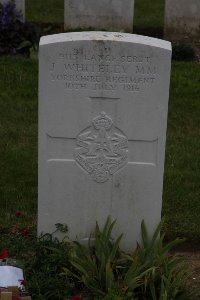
(102, 122)
(102, 148)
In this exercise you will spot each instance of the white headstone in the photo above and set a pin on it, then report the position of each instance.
(182, 19)
(103, 100)
(110, 15)
(20, 6)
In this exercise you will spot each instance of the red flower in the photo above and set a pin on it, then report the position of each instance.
(76, 297)
(23, 282)
(4, 254)
(25, 231)
(18, 214)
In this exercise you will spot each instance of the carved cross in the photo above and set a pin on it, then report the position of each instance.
(102, 149)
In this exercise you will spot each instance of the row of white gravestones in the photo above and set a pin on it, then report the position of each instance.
(110, 15)
(182, 20)
(182, 17)
(103, 101)
(20, 6)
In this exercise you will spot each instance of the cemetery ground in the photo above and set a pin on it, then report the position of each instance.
(19, 146)
(18, 149)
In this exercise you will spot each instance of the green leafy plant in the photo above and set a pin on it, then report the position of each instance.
(97, 267)
(167, 274)
(149, 273)
(43, 268)
(42, 260)
(56, 270)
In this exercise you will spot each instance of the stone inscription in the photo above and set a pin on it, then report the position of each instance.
(102, 148)
(78, 70)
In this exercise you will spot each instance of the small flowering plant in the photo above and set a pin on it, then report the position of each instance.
(9, 14)
(18, 214)
(6, 260)
(17, 229)
(4, 254)
(16, 37)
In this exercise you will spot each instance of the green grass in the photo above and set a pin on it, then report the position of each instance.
(18, 147)
(149, 15)
(182, 172)
(45, 11)
(18, 143)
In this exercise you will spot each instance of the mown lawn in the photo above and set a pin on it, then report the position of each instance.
(149, 15)
(182, 172)
(45, 11)
(18, 147)
(18, 143)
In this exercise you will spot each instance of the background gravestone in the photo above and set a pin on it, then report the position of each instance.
(103, 100)
(111, 15)
(182, 20)
(20, 6)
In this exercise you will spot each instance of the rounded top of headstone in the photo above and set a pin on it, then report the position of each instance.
(104, 36)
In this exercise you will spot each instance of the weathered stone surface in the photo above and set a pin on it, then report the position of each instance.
(20, 6)
(103, 101)
(110, 15)
(182, 20)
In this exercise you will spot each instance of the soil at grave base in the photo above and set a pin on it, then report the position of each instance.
(193, 261)
(191, 254)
